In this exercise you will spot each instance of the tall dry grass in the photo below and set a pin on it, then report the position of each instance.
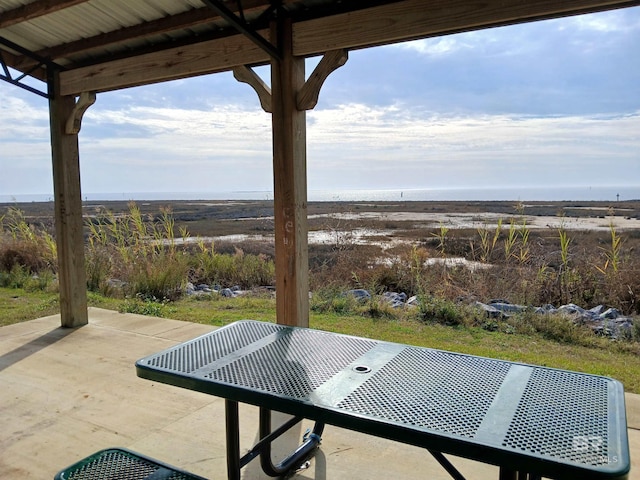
(153, 262)
(28, 254)
(150, 256)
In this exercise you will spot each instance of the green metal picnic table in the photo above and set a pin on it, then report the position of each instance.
(531, 421)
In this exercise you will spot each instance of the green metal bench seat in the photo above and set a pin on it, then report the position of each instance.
(122, 464)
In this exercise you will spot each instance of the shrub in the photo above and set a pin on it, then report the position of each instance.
(145, 306)
(158, 276)
(559, 328)
(25, 245)
(99, 265)
(439, 310)
(246, 270)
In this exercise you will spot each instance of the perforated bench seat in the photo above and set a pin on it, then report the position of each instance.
(122, 464)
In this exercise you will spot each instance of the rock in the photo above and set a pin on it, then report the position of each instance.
(571, 309)
(115, 283)
(397, 300)
(610, 314)
(508, 307)
(547, 308)
(489, 310)
(359, 294)
(227, 292)
(413, 300)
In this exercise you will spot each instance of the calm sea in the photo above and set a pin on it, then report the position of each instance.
(570, 193)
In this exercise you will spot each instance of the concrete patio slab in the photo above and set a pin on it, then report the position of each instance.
(68, 393)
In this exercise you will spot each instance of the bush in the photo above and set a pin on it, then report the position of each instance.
(559, 328)
(99, 266)
(332, 300)
(145, 306)
(245, 270)
(21, 277)
(160, 276)
(439, 310)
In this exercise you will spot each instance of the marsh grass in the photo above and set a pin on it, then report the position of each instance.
(144, 253)
(29, 247)
(153, 257)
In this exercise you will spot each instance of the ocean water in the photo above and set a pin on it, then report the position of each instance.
(559, 193)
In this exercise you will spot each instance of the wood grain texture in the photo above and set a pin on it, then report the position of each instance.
(246, 75)
(414, 19)
(290, 186)
(74, 122)
(180, 62)
(34, 10)
(307, 97)
(68, 212)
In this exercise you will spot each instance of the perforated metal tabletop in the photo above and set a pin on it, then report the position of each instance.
(548, 422)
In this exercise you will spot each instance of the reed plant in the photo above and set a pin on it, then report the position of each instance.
(612, 253)
(441, 236)
(488, 244)
(138, 251)
(511, 240)
(150, 260)
(25, 245)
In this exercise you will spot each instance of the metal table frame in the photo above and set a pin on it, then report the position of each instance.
(530, 421)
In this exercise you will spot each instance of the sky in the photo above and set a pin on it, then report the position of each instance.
(550, 103)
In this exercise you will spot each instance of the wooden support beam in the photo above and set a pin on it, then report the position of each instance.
(74, 122)
(290, 184)
(188, 19)
(414, 19)
(68, 209)
(307, 97)
(34, 10)
(206, 57)
(246, 75)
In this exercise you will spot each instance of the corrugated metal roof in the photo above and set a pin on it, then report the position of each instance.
(88, 20)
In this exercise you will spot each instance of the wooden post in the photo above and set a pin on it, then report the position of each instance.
(68, 208)
(290, 182)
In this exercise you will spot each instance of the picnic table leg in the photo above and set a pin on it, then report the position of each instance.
(447, 465)
(233, 439)
(311, 441)
(507, 474)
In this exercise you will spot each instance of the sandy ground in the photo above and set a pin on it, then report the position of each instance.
(490, 220)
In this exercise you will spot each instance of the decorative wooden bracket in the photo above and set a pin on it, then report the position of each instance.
(307, 97)
(246, 75)
(74, 122)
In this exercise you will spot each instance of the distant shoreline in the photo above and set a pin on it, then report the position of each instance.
(484, 194)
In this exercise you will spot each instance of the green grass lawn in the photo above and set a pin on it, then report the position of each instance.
(620, 360)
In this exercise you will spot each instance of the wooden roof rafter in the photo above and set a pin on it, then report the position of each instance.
(164, 25)
(34, 10)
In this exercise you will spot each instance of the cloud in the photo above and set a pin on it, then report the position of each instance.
(437, 46)
(553, 101)
(614, 21)
(358, 146)
(351, 145)
(26, 120)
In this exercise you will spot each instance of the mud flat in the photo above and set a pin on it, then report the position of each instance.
(242, 220)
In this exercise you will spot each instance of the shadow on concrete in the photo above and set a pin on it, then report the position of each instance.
(37, 344)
